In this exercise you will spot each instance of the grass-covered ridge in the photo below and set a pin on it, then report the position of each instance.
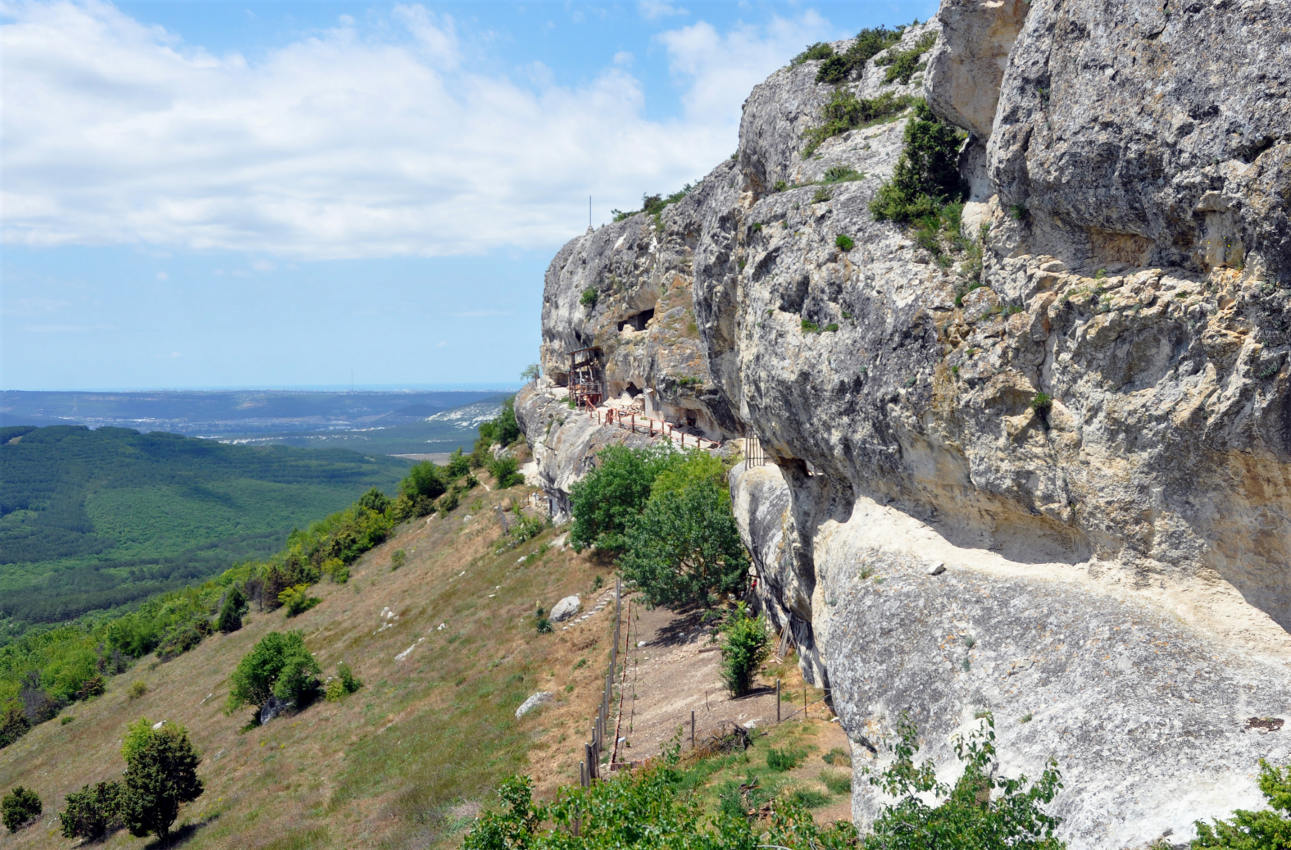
(93, 519)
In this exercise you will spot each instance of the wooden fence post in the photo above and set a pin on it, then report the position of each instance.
(777, 700)
(692, 728)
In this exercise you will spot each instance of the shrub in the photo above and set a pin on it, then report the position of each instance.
(817, 51)
(1262, 830)
(93, 812)
(425, 480)
(161, 775)
(647, 809)
(926, 176)
(844, 111)
(980, 810)
(589, 297)
(232, 609)
(810, 327)
(1042, 403)
(296, 599)
(744, 648)
(341, 685)
(398, 558)
(458, 463)
(506, 471)
(541, 621)
(137, 689)
(844, 242)
(838, 67)
(836, 781)
(781, 760)
(20, 806)
(841, 174)
(278, 666)
(809, 798)
(904, 64)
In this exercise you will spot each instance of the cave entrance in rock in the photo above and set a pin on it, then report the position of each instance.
(632, 390)
(637, 322)
(586, 377)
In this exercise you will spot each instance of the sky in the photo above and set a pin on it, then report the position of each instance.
(210, 193)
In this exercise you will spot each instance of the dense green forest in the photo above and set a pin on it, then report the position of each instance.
(94, 519)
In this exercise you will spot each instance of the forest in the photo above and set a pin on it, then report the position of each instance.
(94, 519)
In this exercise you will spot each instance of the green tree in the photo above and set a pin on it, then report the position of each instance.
(278, 666)
(458, 464)
(20, 806)
(1263, 830)
(374, 500)
(232, 609)
(744, 648)
(926, 176)
(980, 810)
(161, 775)
(506, 471)
(607, 501)
(92, 812)
(531, 372)
(506, 428)
(424, 480)
(684, 547)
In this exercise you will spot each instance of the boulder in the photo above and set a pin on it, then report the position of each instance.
(534, 701)
(566, 608)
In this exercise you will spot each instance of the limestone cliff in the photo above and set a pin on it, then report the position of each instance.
(1064, 495)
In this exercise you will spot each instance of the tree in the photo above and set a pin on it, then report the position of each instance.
(161, 775)
(1262, 830)
(612, 495)
(424, 480)
(927, 174)
(531, 372)
(21, 806)
(685, 547)
(374, 500)
(92, 812)
(232, 611)
(506, 471)
(278, 666)
(744, 648)
(980, 810)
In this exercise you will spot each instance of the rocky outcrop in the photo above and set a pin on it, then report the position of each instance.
(1091, 434)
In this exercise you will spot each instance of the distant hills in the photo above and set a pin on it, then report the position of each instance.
(413, 422)
(92, 519)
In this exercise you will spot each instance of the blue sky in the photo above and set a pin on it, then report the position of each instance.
(278, 194)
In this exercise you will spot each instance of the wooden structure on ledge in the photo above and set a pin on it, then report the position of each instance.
(586, 380)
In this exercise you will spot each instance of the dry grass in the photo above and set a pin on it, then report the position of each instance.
(404, 762)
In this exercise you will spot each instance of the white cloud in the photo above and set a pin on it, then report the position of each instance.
(352, 142)
(716, 64)
(654, 9)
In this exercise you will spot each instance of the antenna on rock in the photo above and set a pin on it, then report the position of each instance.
(589, 213)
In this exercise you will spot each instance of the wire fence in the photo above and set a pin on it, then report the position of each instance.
(589, 769)
(789, 705)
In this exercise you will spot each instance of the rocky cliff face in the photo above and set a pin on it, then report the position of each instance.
(1093, 443)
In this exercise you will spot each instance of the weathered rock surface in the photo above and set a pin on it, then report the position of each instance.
(1095, 442)
(566, 608)
(537, 700)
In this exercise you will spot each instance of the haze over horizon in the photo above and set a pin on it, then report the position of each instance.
(306, 194)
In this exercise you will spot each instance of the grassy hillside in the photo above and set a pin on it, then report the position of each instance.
(408, 759)
(94, 519)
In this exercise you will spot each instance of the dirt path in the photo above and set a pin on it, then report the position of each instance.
(673, 669)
